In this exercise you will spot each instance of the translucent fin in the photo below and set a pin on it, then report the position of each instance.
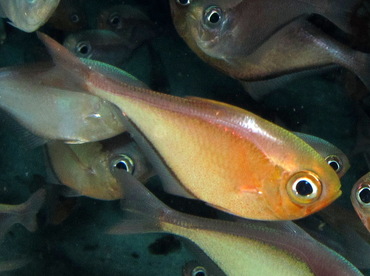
(340, 12)
(64, 59)
(359, 63)
(15, 264)
(142, 205)
(80, 70)
(29, 210)
(25, 138)
(261, 89)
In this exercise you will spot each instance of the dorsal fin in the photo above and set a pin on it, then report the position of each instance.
(64, 59)
(80, 70)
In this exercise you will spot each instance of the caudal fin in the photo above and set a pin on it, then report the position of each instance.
(360, 65)
(29, 209)
(63, 58)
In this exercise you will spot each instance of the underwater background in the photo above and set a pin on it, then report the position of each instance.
(325, 106)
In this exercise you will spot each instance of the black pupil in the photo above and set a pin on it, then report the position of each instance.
(122, 166)
(75, 18)
(114, 21)
(84, 49)
(304, 188)
(184, 2)
(214, 17)
(334, 165)
(365, 195)
(200, 273)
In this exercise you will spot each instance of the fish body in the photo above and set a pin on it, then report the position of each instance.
(360, 197)
(240, 247)
(55, 108)
(24, 213)
(254, 40)
(101, 45)
(229, 157)
(28, 16)
(87, 168)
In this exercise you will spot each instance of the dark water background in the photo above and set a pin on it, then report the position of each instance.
(324, 106)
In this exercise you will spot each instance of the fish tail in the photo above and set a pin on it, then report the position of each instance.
(341, 13)
(63, 59)
(29, 209)
(361, 67)
(146, 210)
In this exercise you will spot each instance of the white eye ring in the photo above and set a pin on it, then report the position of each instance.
(212, 16)
(123, 162)
(74, 18)
(83, 48)
(361, 199)
(334, 162)
(199, 271)
(183, 2)
(305, 188)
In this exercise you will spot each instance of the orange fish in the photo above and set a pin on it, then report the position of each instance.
(360, 198)
(218, 153)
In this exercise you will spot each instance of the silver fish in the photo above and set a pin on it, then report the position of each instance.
(24, 213)
(28, 15)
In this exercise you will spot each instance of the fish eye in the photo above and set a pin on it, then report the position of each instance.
(304, 187)
(363, 196)
(199, 271)
(114, 20)
(123, 162)
(212, 16)
(334, 162)
(183, 2)
(83, 48)
(74, 18)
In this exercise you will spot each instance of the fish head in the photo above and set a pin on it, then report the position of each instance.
(29, 15)
(102, 45)
(125, 154)
(209, 28)
(79, 45)
(301, 184)
(339, 162)
(360, 197)
(335, 157)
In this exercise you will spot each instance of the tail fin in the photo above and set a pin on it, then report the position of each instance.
(360, 65)
(145, 208)
(341, 12)
(29, 209)
(63, 58)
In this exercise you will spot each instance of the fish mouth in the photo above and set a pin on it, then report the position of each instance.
(336, 194)
(197, 30)
(311, 209)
